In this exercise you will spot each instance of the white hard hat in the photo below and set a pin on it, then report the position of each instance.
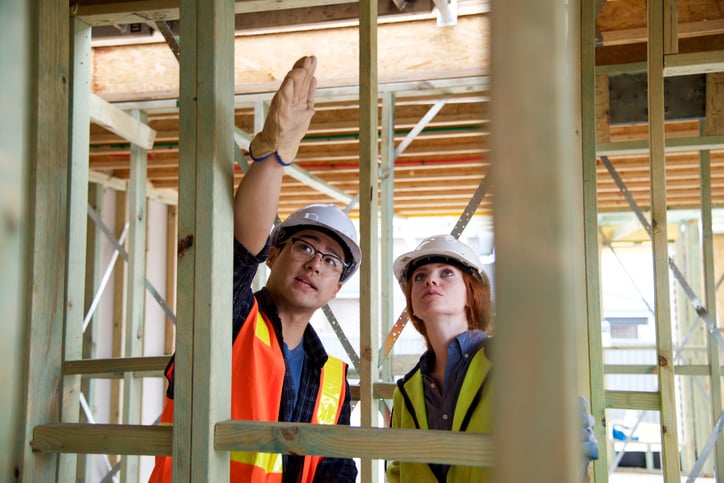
(437, 248)
(327, 218)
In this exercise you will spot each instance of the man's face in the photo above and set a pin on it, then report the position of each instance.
(298, 276)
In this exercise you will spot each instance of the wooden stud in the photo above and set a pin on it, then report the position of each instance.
(688, 258)
(136, 293)
(536, 309)
(48, 134)
(388, 284)
(171, 261)
(714, 104)
(594, 128)
(669, 439)
(369, 239)
(16, 99)
(77, 223)
(93, 273)
(203, 350)
(602, 104)
(710, 300)
(119, 313)
(671, 27)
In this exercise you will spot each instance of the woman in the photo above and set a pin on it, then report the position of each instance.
(449, 303)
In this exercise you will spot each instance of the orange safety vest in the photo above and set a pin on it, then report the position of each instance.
(258, 362)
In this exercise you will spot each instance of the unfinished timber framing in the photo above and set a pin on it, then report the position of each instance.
(590, 126)
(664, 60)
(205, 459)
(530, 193)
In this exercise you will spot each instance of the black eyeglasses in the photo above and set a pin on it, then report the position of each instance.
(303, 251)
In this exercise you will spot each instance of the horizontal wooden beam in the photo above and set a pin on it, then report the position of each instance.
(261, 16)
(164, 195)
(318, 184)
(420, 446)
(116, 366)
(646, 401)
(679, 370)
(693, 63)
(672, 145)
(115, 120)
(467, 85)
(140, 11)
(639, 35)
(381, 390)
(102, 439)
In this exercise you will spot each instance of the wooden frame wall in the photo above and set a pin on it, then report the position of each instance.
(459, 448)
(664, 60)
(206, 189)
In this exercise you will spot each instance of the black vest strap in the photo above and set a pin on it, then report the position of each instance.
(408, 403)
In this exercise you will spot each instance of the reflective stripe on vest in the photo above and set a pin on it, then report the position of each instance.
(268, 462)
(328, 407)
(262, 330)
(330, 390)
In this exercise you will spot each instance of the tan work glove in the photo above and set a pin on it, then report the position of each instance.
(289, 115)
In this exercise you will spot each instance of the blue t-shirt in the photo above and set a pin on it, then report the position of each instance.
(295, 362)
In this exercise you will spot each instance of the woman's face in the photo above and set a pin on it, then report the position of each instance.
(438, 289)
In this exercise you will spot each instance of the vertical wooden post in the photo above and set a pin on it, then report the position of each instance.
(387, 189)
(685, 316)
(534, 163)
(48, 235)
(716, 115)
(602, 100)
(135, 293)
(696, 403)
(16, 100)
(206, 162)
(77, 223)
(369, 278)
(171, 261)
(119, 309)
(662, 304)
(594, 127)
(262, 274)
(93, 271)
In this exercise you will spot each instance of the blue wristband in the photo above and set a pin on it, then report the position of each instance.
(264, 158)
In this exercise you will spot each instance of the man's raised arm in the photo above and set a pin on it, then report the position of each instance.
(257, 198)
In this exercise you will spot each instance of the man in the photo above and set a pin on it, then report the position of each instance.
(280, 370)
